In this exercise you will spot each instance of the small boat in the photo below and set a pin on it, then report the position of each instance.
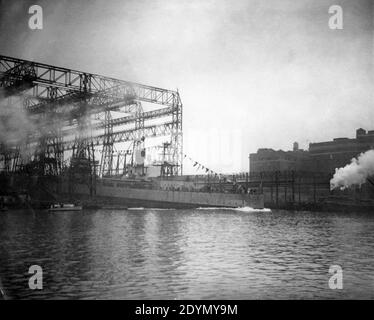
(64, 207)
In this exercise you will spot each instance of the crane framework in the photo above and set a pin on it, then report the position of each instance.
(72, 111)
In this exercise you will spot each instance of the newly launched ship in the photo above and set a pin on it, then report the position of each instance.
(152, 185)
(166, 193)
(138, 185)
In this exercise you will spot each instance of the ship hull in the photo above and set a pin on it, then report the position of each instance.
(112, 193)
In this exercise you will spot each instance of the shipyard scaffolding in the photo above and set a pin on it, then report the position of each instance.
(85, 125)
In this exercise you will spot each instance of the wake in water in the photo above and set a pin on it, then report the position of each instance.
(249, 209)
(154, 209)
(242, 209)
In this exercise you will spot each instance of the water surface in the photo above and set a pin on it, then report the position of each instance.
(186, 254)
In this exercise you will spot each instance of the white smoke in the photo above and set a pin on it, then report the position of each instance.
(354, 173)
(15, 125)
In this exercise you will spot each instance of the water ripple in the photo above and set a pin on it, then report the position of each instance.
(186, 254)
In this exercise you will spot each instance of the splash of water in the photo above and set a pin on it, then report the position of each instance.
(242, 209)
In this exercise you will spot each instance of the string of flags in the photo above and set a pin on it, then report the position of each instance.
(199, 166)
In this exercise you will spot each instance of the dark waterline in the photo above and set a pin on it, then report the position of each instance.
(187, 254)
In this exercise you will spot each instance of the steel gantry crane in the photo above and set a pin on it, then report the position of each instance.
(63, 104)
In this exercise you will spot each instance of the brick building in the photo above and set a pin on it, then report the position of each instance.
(269, 160)
(322, 157)
(302, 178)
(326, 156)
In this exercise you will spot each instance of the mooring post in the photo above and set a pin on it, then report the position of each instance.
(276, 188)
(293, 185)
(314, 188)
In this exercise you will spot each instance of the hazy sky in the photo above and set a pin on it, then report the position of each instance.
(250, 73)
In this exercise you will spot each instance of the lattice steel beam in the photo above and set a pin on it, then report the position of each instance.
(69, 95)
(43, 77)
(127, 135)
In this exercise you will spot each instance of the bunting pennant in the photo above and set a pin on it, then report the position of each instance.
(199, 166)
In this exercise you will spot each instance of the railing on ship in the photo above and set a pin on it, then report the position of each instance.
(230, 183)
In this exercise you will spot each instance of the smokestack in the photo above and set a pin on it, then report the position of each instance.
(360, 132)
(295, 146)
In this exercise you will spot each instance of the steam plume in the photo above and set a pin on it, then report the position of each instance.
(15, 125)
(354, 173)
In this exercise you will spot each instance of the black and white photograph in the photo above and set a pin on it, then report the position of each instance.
(175, 150)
